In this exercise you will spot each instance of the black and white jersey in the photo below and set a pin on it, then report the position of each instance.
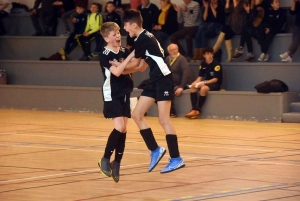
(113, 86)
(149, 49)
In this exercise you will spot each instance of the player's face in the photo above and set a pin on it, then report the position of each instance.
(110, 7)
(129, 27)
(208, 56)
(114, 38)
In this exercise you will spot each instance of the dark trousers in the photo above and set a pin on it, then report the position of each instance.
(264, 39)
(246, 38)
(100, 42)
(2, 29)
(85, 42)
(188, 33)
(205, 32)
(49, 21)
(71, 43)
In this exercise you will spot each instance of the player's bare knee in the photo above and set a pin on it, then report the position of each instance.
(121, 128)
(164, 121)
(136, 116)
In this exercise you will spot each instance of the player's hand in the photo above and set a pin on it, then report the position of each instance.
(267, 30)
(74, 20)
(178, 91)
(33, 12)
(114, 63)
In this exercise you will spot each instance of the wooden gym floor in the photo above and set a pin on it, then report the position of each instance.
(53, 156)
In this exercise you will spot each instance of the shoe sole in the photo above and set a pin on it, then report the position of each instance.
(99, 164)
(191, 116)
(174, 169)
(158, 161)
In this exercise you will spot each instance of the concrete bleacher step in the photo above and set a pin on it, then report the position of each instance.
(295, 107)
(219, 105)
(236, 76)
(32, 48)
(291, 117)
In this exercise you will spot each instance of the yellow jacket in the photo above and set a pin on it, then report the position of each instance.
(94, 22)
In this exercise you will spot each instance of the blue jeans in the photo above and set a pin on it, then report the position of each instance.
(206, 31)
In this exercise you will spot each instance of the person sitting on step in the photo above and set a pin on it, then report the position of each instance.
(210, 79)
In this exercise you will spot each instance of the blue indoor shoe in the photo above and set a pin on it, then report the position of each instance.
(174, 164)
(156, 155)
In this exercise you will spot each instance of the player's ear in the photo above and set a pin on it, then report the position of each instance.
(106, 39)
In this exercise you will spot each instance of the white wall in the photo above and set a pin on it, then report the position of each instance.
(30, 3)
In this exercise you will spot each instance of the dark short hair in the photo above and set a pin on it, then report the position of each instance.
(80, 5)
(133, 16)
(208, 49)
(110, 2)
(98, 5)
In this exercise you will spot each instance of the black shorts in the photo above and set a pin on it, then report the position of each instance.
(119, 107)
(214, 87)
(160, 90)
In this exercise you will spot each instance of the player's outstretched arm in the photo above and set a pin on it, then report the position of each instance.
(117, 70)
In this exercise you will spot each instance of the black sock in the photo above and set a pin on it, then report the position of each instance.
(194, 100)
(149, 139)
(201, 101)
(172, 145)
(111, 143)
(120, 148)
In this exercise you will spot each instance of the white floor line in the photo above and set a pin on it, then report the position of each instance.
(181, 144)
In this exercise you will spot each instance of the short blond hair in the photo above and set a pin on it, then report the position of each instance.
(108, 27)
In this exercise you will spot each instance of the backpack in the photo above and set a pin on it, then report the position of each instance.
(271, 86)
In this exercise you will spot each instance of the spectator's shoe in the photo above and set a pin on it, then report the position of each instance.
(261, 57)
(115, 171)
(193, 114)
(267, 57)
(174, 164)
(173, 115)
(249, 58)
(66, 34)
(288, 59)
(62, 53)
(284, 55)
(238, 52)
(156, 155)
(37, 34)
(95, 54)
(105, 167)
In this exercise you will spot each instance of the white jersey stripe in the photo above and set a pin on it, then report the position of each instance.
(160, 63)
(107, 86)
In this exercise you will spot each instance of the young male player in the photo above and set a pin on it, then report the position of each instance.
(116, 94)
(210, 79)
(160, 89)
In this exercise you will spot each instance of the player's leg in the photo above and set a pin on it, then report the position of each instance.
(143, 104)
(203, 93)
(176, 161)
(194, 99)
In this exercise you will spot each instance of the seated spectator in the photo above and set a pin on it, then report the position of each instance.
(213, 17)
(166, 23)
(94, 22)
(235, 23)
(181, 72)
(79, 26)
(210, 79)
(275, 22)
(5, 7)
(48, 17)
(111, 16)
(255, 17)
(149, 12)
(187, 14)
(295, 10)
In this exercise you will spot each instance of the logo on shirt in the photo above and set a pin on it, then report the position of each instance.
(147, 33)
(217, 68)
(166, 93)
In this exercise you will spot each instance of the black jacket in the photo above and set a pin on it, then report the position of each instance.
(171, 24)
(149, 16)
(276, 20)
(297, 13)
